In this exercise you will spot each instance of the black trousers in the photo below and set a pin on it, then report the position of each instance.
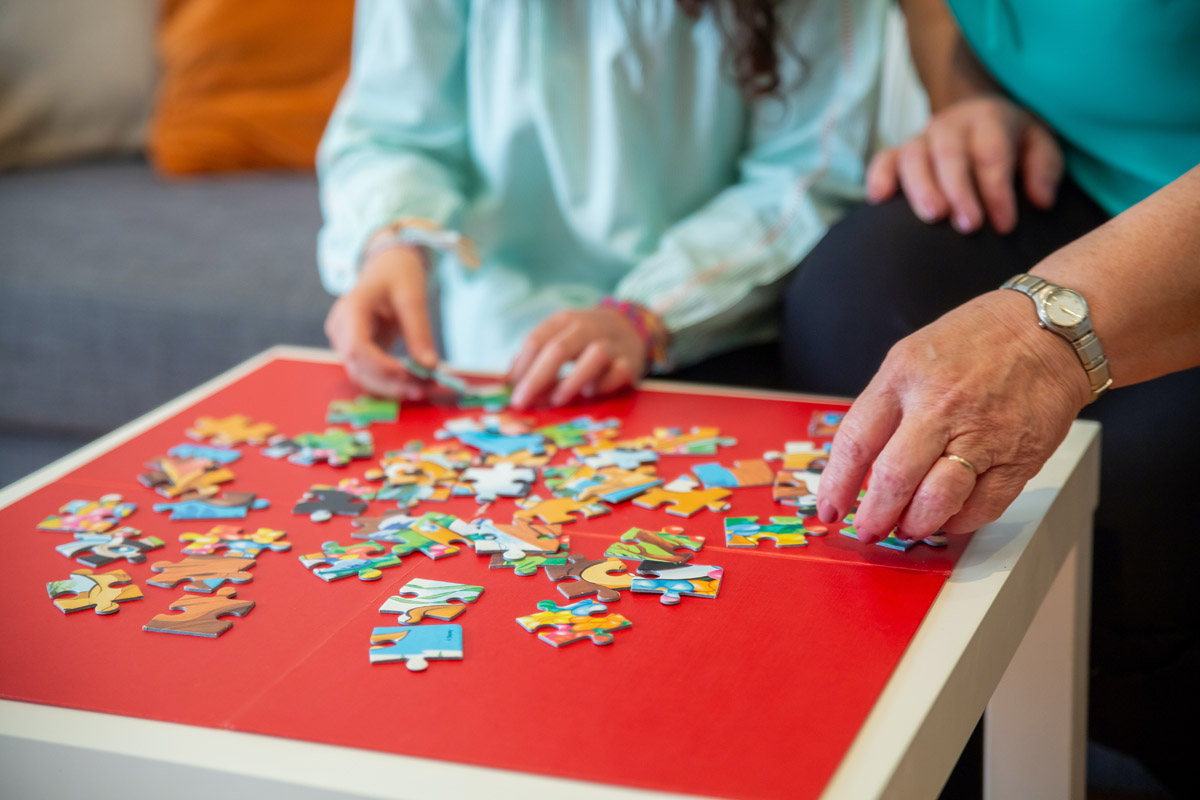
(881, 274)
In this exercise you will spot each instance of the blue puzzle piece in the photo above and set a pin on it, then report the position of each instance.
(204, 509)
(503, 444)
(714, 475)
(219, 454)
(416, 644)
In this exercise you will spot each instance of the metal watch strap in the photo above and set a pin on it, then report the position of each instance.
(1087, 347)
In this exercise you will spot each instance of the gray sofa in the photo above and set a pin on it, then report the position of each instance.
(120, 289)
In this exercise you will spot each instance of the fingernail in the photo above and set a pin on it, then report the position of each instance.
(826, 511)
(963, 223)
(926, 212)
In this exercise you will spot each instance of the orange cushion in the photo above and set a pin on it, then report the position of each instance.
(247, 85)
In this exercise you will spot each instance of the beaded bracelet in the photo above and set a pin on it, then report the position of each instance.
(649, 329)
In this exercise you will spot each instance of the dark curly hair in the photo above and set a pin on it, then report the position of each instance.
(750, 28)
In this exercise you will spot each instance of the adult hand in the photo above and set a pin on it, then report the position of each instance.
(966, 161)
(605, 346)
(387, 302)
(983, 383)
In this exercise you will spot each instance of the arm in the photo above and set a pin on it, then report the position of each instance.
(963, 165)
(395, 151)
(985, 383)
(717, 272)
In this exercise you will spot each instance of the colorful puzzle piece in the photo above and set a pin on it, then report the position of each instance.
(684, 501)
(621, 457)
(674, 581)
(87, 516)
(102, 549)
(434, 535)
(420, 599)
(785, 531)
(171, 476)
(231, 430)
(362, 411)
(416, 644)
(576, 432)
(365, 559)
(602, 577)
(798, 455)
(205, 573)
(529, 564)
(574, 623)
(502, 480)
(699, 441)
(612, 484)
(101, 591)
(792, 489)
(199, 615)
(523, 458)
(892, 541)
(221, 455)
(558, 510)
(322, 502)
(233, 505)
(336, 447)
(825, 423)
(514, 541)
(752, 472)
(638, 545)
(235, 542)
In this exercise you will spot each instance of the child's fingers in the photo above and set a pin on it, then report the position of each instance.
(590, 365)
(545, 368)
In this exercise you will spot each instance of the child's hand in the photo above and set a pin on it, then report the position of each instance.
(606, 348)
(389, 300)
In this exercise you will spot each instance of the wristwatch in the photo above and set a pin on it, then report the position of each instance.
(1065, 312)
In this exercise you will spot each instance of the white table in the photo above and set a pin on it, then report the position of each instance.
(1009, 632)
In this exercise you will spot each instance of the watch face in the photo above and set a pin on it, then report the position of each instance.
(1065, 308)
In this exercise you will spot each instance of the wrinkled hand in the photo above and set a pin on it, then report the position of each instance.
(983, 383)
(389, 301)
(966, 161)
(606, 348)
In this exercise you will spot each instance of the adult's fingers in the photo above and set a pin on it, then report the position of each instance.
(545, 368)
(410, 301)
(994, 491)
(882, 177)
(948, 152)
(918, 181)
(863, 433)
(940, 495)
(902, 464)
(993, 154)
(1041, 165)
(590, 365)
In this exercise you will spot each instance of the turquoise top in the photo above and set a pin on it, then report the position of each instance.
(1118, 80)
(596, 148)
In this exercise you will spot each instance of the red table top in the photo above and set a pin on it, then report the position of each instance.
(756, 694)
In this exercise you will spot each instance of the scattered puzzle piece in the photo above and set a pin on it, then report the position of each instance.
(529, 564)
(639, 545)
(792, 489)
(502, 480)
(798, 455)
(416, 644)
(514, 541)
(752, 472)
(558, 510)
(523, 458)
(620, 457)
(221, 455)
(87, 516)
(233, 505)
(336, 447)
(612, 484)
(101, 549)
(205, 573)
(322, 502)
(231, 430)
(576, 432)
(101, 591)
(684, 503)
(364, 559)
(785, 531)
(434, 535)
(172, 477)
(420, 599)
(199, 615)
(825, 423)
(362, 411)
(602, 577)
(574, 623)
(674, 581)
(699, 441)
(235, 542)
(892, 541)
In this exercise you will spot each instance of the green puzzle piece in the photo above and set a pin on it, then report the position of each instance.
(362, 411)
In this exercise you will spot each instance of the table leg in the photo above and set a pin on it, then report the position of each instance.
(1035, 728)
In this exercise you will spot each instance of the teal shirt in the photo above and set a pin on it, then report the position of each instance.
(1117, 80)
(592, 148)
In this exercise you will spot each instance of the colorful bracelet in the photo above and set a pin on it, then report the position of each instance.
(649, 327)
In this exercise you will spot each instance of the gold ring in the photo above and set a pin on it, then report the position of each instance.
(963, 461)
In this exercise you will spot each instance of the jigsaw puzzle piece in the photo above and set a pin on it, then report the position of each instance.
(200, 615)
(420, 599)
(322, 502)
(221, 455)
(752, 472)
(612, 484)
(365, 559)
(639, 545)
(335, 447)
(683, 501)
(502, 480)
(623, 458)
(101, 591)
(434, 535)
(574, 623)
(799, 455)
(172, 477)
(234, 542)
(523, 458)
(88, 516)
(675, 581)
(232, 430)
(234, 505)
(529, 564)
(205, 573)
(792, 489)
(698, 441)
(578, 431)
(516, 540)
(558, 510)
(416, 644)
(362, 411)
(785, 531)
(604, 578)
(825, 423)
(102, 549)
